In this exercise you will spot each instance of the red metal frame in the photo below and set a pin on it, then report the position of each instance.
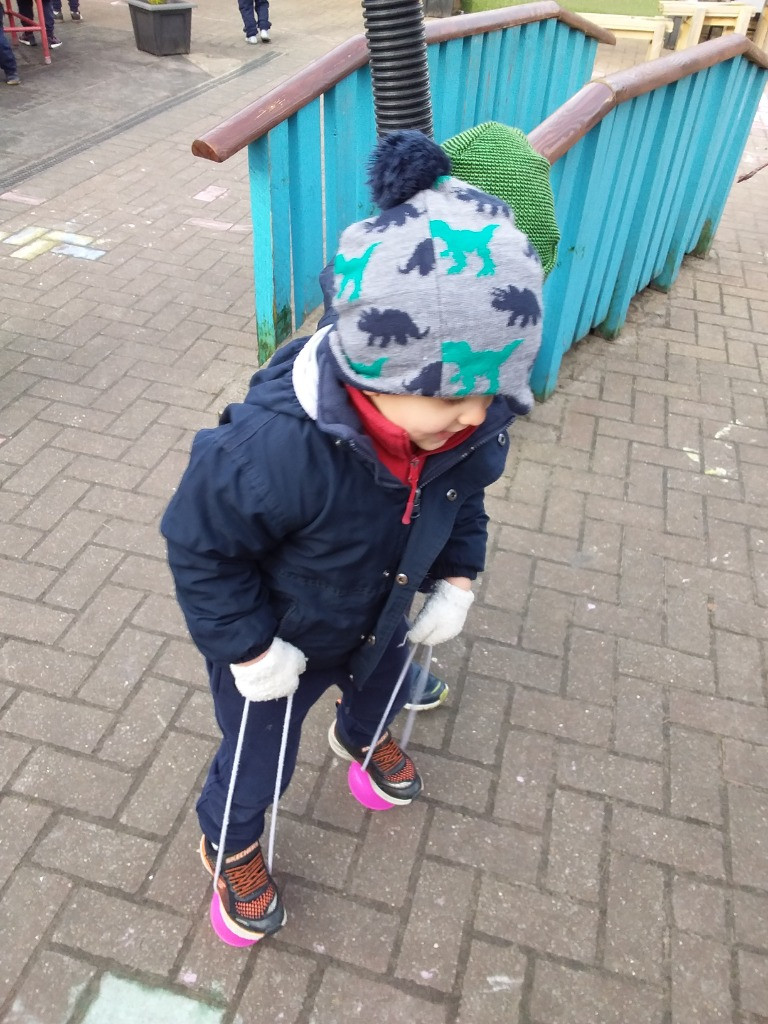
(25, 25)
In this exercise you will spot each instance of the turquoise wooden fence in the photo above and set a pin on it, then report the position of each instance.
(307, 163)
(644, 186)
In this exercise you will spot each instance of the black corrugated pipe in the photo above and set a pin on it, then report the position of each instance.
(398, 47)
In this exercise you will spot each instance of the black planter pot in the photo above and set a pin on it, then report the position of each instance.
(162, 29)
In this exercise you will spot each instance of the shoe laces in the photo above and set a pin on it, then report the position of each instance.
(248, 879)
(388, 757)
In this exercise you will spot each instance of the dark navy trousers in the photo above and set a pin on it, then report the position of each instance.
(358, 716)
(255, 15)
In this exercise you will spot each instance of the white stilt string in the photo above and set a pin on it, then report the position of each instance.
(230, 794)
(278, 782)
(233, 780)
(418, 693)
(382, 724)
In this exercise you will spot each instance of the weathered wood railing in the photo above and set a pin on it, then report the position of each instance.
(643, 161)
(308, 141)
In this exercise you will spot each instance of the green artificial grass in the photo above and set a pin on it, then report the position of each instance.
(641, 8)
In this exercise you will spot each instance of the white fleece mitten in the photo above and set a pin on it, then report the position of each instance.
(273, 676)
(443, 615)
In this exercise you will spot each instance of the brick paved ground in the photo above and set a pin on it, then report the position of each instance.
(593, 843)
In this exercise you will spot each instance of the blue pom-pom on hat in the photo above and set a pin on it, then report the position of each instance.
(402, 164)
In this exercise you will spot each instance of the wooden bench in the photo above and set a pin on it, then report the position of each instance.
(698, 15)
(628, 26)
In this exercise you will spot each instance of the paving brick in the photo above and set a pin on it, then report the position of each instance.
(639, 719)
(47, 668)
(542, 671)
(739, 668)
(504, 851)
(22, 823)
(143, 573)
(344, 994)
(635, 922)
(83, 577)
(123, 664)
(591, 667)
(696, 960)
(564, 513)
(394, 843)
(576, 720)
(12, 753)
(439, 912)
(505, 583)
(748, 814)
(455, 783)
(29, 905)
(101, 620)
(546, 621)
(73, 531)
(340, 928)
(722, 717)
(210, 968)
(688, 846)
(48, 993)
(96, 853)
(179, 880)
(699, 907)
(142, 722)
(601, 546)
(753, 976)
(110, 501)
(695, 775)
(56, 721)
(72, 781)
(282, 979)
(32, 621)
(564, 995)
(178, 762)
(574, 847)
(478, 726)
(492, 985)
(161, 614)
(314, 853)
(19, 579)
(529, 917)
(135, 936)
(664, 665)
(598, 771)
(54, 502)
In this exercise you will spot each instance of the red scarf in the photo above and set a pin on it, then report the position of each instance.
(394, 448)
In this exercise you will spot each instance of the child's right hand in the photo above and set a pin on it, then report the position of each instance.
(273, 674)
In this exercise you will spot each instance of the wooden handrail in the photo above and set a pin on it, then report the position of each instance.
(259, 117)
(571, 122)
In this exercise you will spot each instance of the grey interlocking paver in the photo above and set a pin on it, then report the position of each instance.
(591, 842)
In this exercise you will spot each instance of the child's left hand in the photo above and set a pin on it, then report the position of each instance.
(444, 613)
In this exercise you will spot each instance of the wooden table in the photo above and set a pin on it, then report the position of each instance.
(696, 16)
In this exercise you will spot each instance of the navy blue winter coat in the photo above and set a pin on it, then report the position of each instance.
(286, 524)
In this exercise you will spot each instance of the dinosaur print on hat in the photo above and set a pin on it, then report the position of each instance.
(352, 269)
(461, 242)
(389, 325)
(442, 281)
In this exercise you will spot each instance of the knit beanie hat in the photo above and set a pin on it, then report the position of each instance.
(440, 295)
(501, 160)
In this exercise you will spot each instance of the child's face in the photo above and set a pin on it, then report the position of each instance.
(430, 422)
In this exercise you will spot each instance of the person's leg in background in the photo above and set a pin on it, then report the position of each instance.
(28, 10)
(248, 14)
(7, 56)
(262, 18)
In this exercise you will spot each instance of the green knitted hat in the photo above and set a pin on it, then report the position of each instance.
(500, 160)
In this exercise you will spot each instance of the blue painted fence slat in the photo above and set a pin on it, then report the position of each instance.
(306, 211)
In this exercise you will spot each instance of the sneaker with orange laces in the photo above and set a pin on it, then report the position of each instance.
(392, 773)
(250, 901)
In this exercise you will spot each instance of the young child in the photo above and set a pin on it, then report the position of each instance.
(351, 477)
